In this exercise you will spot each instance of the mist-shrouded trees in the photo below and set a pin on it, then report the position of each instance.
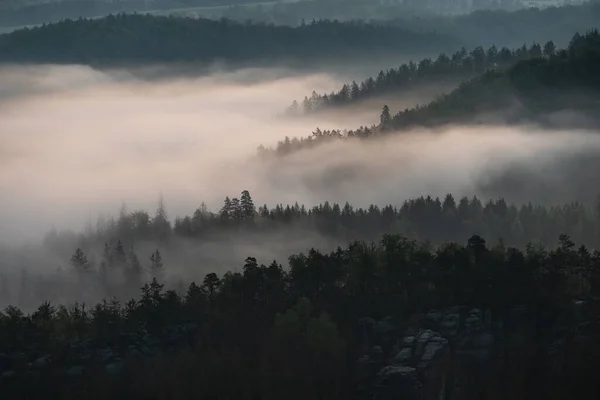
(156, 267)
(538, 79)
(299, 321)
(161, 224)
(386, 118)
(461, 66)
(437, 219)
(79, 262)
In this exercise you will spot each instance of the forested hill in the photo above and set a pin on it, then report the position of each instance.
(530, 91)
(458, 67)
(136, 38)
(511, 29)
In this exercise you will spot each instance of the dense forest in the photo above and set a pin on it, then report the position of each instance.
(423, 218)
(566, 80)
(126, 39)
(485, 26)
(15, 13)
(529, 91)
(136, 245)
(396, 317)
(454, 297)
(459, 67)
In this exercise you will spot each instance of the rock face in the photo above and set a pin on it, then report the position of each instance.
(423, 360)
(77, 357)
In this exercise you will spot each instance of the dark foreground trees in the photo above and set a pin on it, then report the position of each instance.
(268, 332)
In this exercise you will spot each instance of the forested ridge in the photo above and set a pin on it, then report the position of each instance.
(423, 218)
(132, 38)
(426, 298)
(15, 14)
(459, 67)
(529, 91)
(258, 331)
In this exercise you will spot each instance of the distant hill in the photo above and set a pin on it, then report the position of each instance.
(15, 13)
(530, 90)
(124, 39)
(458, 67)
(511, 29)
(535, 90)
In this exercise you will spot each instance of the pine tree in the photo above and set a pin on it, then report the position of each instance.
(549, 49)
(225, 213)
(79, 262)
(162, 226)
(385, 118)
(156, 266)
(354, 91)
(119, 256)
(247, 206)
(133, 272)
(236, 210)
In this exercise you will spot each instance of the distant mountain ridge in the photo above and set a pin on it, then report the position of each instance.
(134, 39)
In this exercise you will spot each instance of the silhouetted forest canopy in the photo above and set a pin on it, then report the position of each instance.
(489, 22)
(425, 298)
(459, 67)
(529, 91)
(15, 13)
(395, 317)
(424, 218)
(124, 38)
(487, 27)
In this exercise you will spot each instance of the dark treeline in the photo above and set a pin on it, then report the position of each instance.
(15, 13)
(566, 80)
(123, 39)
(458, 67)
(529, 91)
(489, 25)
(267, 332)
(530, 24)
(423, 218)
(120, 254)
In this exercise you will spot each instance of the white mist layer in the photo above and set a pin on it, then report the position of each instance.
(75, 143)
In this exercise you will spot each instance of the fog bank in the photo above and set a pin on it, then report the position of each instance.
(75, 142)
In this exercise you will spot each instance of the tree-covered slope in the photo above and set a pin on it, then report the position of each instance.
(458, 67)
(532, 90)
(569, 79)
(144, 38)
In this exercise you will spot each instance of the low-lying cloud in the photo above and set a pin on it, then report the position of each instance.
(75, 142)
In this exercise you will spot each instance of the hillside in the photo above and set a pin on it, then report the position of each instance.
(533, 90)
(135, 38)
(530, 90)
(511, 29)
(458, 67)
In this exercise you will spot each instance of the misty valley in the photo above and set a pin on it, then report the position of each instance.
(333, 199)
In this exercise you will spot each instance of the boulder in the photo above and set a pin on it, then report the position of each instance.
(115, 367)
(450, 324)
(403, 357)
(41, 362)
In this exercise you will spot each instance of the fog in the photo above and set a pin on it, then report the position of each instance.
(76, 143)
